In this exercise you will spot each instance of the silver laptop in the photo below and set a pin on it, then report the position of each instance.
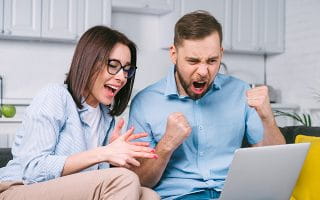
(264, 173)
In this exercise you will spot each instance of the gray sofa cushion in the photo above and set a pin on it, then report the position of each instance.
(5, 156)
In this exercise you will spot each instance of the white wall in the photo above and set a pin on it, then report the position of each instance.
(297, 72)
(28, 66)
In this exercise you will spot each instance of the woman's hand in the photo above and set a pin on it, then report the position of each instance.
(117, 132)
(122, 152)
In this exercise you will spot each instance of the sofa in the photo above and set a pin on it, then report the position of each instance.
(289, 132)
(5, 156)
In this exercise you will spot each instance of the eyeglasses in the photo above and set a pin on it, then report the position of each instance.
(114, 66)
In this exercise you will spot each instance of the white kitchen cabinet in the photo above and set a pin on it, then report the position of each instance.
(63, 20)
(274, 23)
(258, 26)
(221, 10)
(22, 18)
(246, 25)
(249, 26)
(92, 13)
(143, 6)
(1, 16)
(59, 19)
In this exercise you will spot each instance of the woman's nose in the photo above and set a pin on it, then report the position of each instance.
(121, 75)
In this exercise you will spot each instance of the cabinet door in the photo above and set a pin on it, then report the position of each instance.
(93, 12)
(1, 17)
(245, 24)
(166, 25)
(59, 19)
(22, 18)
(274, 22)
(221, 10)
(157, 7)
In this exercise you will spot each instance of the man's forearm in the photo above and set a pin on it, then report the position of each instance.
(151, 170)
(272, 134)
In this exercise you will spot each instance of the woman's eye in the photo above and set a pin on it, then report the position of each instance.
(127, 68)
(112, 66)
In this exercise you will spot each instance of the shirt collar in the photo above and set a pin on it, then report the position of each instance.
(171, 86)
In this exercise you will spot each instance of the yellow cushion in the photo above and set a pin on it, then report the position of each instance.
(308, 184)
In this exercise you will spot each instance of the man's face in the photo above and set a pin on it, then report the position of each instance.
(197, 64)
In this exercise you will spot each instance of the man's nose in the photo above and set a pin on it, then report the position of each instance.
(202, 69)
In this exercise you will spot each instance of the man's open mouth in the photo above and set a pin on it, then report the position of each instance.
(198, 87)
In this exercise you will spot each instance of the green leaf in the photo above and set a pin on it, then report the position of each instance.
(305, 119)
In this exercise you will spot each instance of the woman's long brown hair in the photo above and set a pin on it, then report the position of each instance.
(91, 53)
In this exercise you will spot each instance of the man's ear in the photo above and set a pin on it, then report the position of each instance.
(222, 52)
(173, 54)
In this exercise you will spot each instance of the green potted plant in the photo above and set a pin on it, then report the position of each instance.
(304, 119)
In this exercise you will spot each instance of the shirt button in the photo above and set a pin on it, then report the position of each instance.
(201, 153)
(200, 128)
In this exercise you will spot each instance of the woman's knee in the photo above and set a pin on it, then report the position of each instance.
(148, 194)
(121, 174)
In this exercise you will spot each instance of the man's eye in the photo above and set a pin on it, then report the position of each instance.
(192, 62)
(211, 62)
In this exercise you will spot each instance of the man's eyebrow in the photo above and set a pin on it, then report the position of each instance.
(213, 57)
(192, 58)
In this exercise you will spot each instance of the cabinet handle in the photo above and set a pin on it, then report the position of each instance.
(2, 31)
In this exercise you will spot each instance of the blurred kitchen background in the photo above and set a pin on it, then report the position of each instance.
(273, 42)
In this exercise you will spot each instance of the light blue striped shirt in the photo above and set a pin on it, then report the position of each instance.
(219, 121)
(53, 128)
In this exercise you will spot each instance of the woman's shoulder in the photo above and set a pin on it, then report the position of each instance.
(53, 91)
(52, 97)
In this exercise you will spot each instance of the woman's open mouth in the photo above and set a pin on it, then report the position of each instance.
(111, 89)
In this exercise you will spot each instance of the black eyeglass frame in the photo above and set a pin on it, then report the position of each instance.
(128, 72)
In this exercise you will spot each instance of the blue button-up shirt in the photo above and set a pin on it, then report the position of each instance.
(53, 128)
(219, 121)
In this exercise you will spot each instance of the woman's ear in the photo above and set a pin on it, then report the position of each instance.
(173, 54)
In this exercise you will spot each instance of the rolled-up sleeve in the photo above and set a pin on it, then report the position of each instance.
(38, 136)
(254, 127)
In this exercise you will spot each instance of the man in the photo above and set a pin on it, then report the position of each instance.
(196, 118)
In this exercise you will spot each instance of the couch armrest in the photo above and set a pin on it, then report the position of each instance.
(5, 156)
(290, 132)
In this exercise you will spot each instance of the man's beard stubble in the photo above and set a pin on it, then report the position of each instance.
(186, 86)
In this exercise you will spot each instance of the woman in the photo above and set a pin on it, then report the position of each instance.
(66, 129)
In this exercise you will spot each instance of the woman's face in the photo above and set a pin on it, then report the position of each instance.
(106, 86)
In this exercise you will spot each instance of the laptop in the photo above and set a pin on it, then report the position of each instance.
(264, 173)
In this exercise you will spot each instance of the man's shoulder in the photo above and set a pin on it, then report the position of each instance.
(154, 89)
(231, 80)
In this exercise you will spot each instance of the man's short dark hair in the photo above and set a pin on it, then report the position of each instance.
(196, 25)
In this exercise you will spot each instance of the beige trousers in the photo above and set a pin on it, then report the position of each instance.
(113, 183)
